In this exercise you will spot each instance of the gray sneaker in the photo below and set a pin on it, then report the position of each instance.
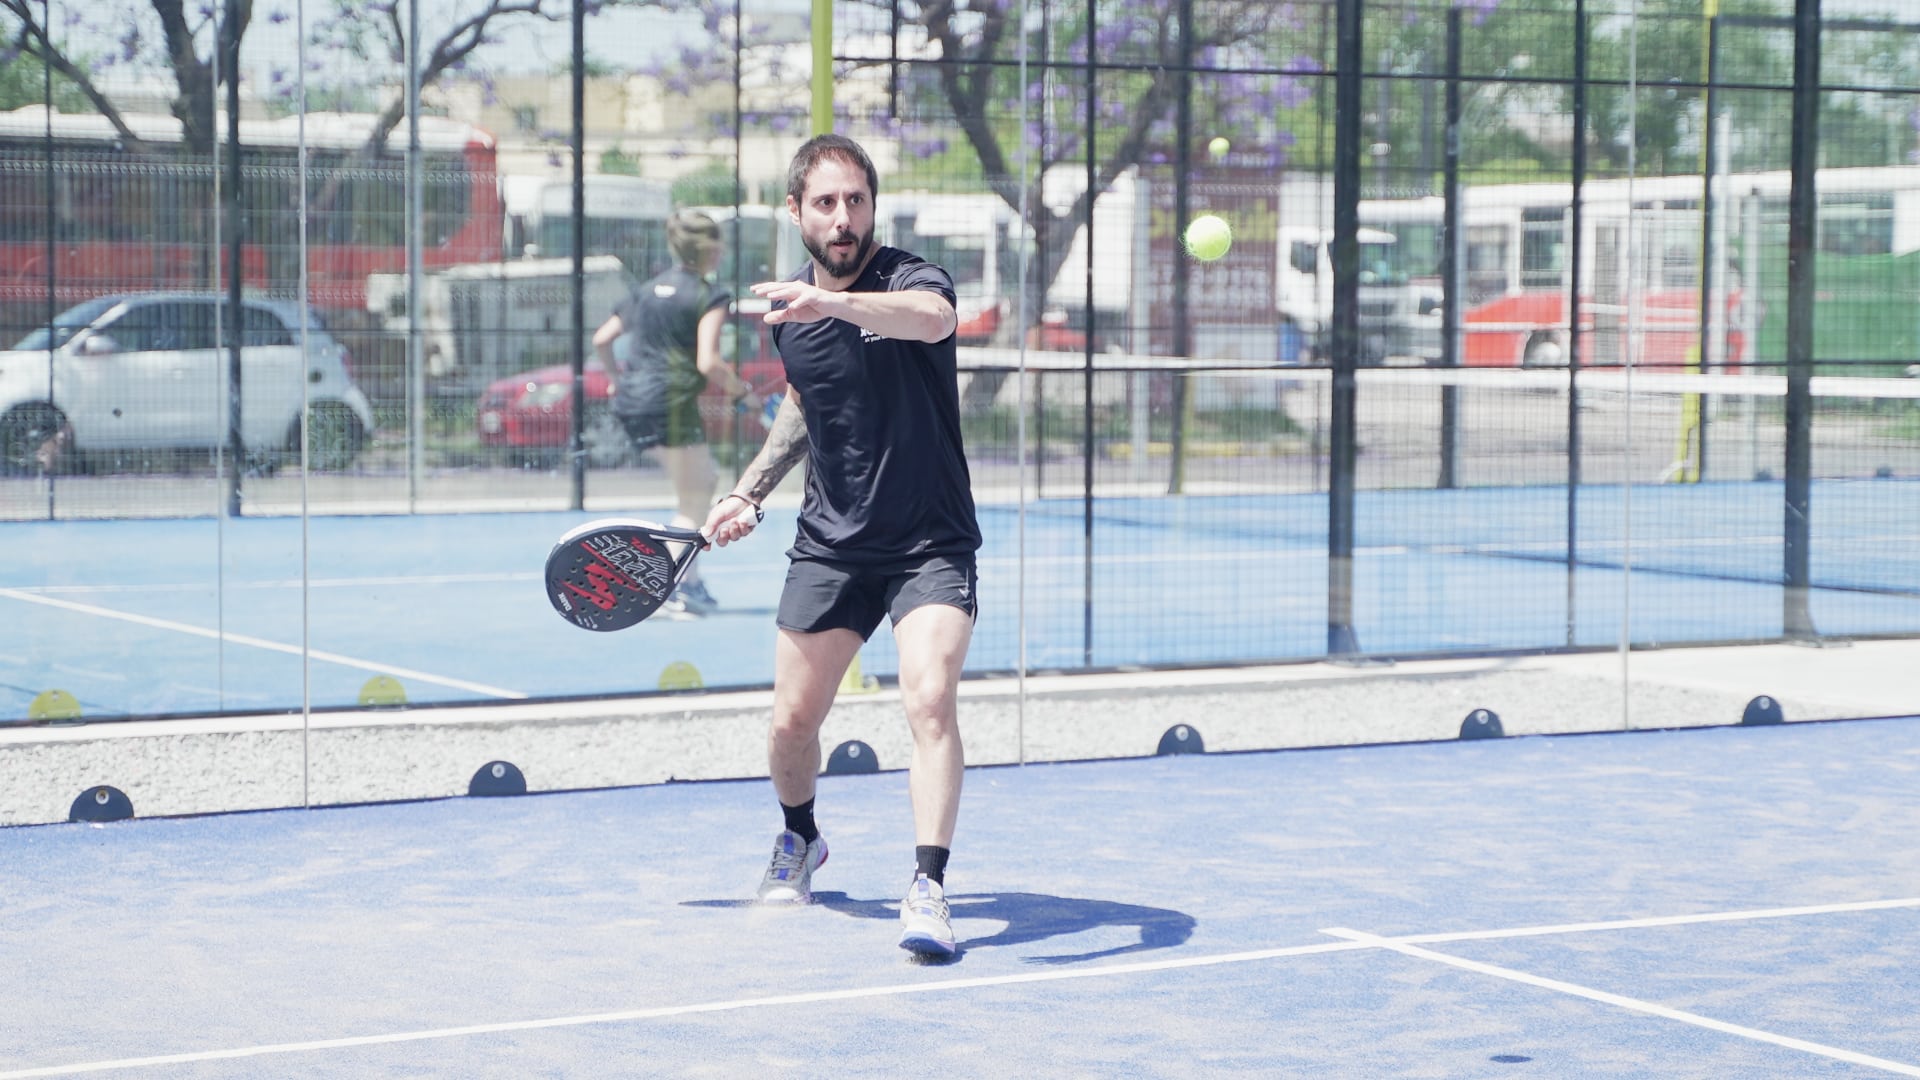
(695, 599)
(925, 927)
(789, 877)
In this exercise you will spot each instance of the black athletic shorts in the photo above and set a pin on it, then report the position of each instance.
(822, 594)
(680, 425)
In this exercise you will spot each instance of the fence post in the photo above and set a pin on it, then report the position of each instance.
(1341, 639)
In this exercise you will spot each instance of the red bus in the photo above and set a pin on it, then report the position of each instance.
(134, 216)
(1640, 273)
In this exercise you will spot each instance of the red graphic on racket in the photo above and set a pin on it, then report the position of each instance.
(612, 573)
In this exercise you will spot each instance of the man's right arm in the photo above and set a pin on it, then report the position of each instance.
(786, 445)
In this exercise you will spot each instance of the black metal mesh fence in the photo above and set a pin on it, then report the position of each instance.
(1552, 200)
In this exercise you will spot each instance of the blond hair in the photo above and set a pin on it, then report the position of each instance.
(691, 236)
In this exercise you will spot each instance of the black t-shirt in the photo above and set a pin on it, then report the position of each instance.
(654, 360)
(886, 469)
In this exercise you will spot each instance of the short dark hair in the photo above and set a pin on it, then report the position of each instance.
(818, 149)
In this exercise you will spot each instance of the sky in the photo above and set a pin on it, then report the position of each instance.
(626, 37)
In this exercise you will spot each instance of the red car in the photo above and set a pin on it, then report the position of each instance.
(529, 416)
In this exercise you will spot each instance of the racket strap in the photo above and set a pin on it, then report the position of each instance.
(759, 515)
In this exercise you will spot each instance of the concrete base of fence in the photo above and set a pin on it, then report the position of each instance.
(221, 764)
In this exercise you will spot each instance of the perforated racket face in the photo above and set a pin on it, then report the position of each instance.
(610, 575)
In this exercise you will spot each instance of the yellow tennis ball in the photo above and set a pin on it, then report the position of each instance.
(1208, 237)
(1219, 146)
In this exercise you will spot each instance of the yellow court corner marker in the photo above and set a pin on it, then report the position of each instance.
(681, 675)
(383, 690)
(855, 683)
(54, 705)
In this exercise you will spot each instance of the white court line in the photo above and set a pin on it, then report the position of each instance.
(263, 643)
(488, 578)
(1661, 920)
(1356, 943)
(1635, 1004)
(688, 1010)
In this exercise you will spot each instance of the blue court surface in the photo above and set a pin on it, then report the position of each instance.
(1723, 902)
(193, 616)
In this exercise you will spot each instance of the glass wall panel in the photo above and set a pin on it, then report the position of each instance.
(1527, 383)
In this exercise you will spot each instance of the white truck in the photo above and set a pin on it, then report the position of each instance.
(976, 237)
(1399, 320)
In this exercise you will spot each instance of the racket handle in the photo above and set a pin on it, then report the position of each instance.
(759, 515)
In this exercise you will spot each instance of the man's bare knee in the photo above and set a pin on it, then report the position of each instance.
(789, 728)
(930, 711)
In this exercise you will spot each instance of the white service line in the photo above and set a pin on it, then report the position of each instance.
(664, 1011)
(1634, 1004)
(1659, 920)
(489, 578)
(263, 643)
(1355, 942)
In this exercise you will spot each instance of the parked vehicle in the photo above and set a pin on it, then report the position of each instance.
(529, 416)
(131, 372)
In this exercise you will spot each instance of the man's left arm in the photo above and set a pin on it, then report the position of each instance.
(908, 314)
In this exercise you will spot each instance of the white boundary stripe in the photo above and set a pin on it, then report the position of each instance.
(1663, 920)
(262, 643)
(1634, 1004)
(1354, 941)
(690, 1010)
(492, 578)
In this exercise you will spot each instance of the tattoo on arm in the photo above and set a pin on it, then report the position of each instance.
(786, 446)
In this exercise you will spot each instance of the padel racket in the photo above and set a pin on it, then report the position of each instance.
(611, 573)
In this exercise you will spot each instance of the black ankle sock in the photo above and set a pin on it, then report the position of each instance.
(931, 861)
(800, 820)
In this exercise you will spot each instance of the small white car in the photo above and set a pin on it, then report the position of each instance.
(148, 371)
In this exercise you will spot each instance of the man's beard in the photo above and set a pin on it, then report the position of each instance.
(844, 267)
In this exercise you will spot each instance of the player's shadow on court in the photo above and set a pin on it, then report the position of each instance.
(1029, 917)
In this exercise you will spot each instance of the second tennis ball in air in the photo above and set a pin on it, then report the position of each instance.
(1208, 237)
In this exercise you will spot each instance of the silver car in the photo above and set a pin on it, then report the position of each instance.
(148, 371)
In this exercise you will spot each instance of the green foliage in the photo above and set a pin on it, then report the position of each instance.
(955, 167)
(1905, 425)
(619, 162)
(711, 185)
(1854, 132)
(23, 82)
(593, 67)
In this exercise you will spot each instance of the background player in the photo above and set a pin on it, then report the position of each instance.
(662, 347)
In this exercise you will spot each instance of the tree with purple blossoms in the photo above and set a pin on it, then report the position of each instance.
(1240, 65)
(191, 38)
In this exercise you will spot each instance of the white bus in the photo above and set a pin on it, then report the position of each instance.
(1645, 253)
(626, 217)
